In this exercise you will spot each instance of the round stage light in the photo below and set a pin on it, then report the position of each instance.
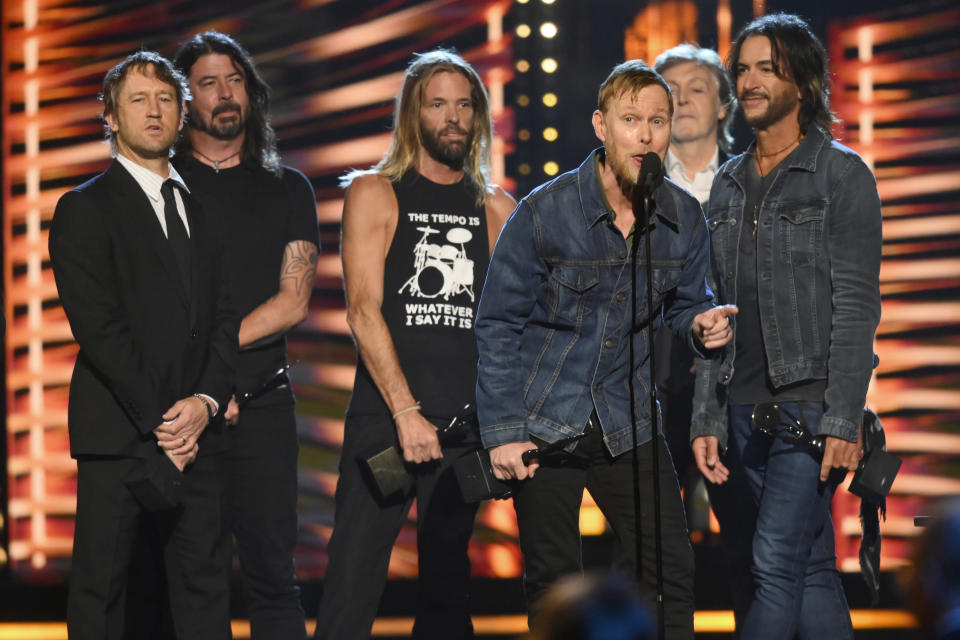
(549, 99)
(550, 134)
(549, 65)
(551, 168)
(548, 30)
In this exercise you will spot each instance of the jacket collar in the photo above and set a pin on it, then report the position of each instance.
(803, 158)
(593, 203)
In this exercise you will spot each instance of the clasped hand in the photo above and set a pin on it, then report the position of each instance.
(183, 423)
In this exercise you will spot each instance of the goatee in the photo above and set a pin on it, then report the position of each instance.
(227, 131)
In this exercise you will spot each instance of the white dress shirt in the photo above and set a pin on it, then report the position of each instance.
(700, 186)
(151, 182)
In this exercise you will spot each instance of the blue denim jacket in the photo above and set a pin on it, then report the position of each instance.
(818, 275)
(553, 321)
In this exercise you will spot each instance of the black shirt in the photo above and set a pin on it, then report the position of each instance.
(433, 276)
(751, 384)
(260, 213)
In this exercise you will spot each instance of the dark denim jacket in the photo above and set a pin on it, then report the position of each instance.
(818, 268)
(553, 320)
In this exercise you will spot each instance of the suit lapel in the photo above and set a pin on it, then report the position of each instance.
(135, 204)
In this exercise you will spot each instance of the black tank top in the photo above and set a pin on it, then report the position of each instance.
(432, 280)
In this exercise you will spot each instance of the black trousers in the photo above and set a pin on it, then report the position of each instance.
(366, 527)
(548, 508)
(261, 463)
(195, 551)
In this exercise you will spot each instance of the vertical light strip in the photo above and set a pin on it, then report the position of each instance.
(865, 94)
(724, 28)
(495, 87)
(34, 257)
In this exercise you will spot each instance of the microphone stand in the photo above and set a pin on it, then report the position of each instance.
(642, 200)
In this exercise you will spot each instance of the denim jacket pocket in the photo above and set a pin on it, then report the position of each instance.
(800, 231)
(665, 279)
(570, 284)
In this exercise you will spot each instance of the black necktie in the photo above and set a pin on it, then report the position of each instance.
(176, 232)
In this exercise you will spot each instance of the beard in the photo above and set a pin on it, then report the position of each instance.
(625, 180)
(778, 107)
(450, 153)
(226, 131)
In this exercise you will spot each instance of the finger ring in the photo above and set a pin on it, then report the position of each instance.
(183, 440)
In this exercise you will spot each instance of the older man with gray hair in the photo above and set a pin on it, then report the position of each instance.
(704, 106)
(700, 142)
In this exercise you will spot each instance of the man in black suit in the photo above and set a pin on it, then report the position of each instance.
(139, 273)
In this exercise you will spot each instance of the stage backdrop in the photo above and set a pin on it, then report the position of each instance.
(335, 66)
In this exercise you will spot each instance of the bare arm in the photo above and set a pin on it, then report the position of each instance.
(499, 206)
(369, 221)
(288, 307)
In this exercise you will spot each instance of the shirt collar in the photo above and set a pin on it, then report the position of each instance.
(149, 181)
(673, 162)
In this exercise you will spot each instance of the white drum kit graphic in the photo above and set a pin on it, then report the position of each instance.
(441, 270)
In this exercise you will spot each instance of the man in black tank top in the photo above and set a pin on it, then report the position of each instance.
(418, 229)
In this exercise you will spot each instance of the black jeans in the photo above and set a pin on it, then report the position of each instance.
(548, 507)
(366, 527)
(261, 458)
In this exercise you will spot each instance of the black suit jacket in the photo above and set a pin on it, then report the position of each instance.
(145, 342)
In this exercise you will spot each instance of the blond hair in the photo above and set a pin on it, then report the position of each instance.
(630, 77)
(402, 154)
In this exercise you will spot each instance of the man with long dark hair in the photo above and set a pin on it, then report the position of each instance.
(796, 234)
(418, 229)
(267, 212)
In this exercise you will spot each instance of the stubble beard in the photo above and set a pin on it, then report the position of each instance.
(778, 108)
(161, 149)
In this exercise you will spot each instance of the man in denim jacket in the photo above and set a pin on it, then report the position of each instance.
(796, 235)
(553, 329)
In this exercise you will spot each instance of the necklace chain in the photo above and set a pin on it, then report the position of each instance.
(216, 163)
(757, 155)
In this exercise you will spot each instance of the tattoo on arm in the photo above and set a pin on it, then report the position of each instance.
(299, 264)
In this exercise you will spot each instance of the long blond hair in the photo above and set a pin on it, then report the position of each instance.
(402, 154)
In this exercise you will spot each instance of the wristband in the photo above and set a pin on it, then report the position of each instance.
(414, 407)
(206, 405)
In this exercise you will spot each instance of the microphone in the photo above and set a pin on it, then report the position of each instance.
(651, 173)
(651, 176)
